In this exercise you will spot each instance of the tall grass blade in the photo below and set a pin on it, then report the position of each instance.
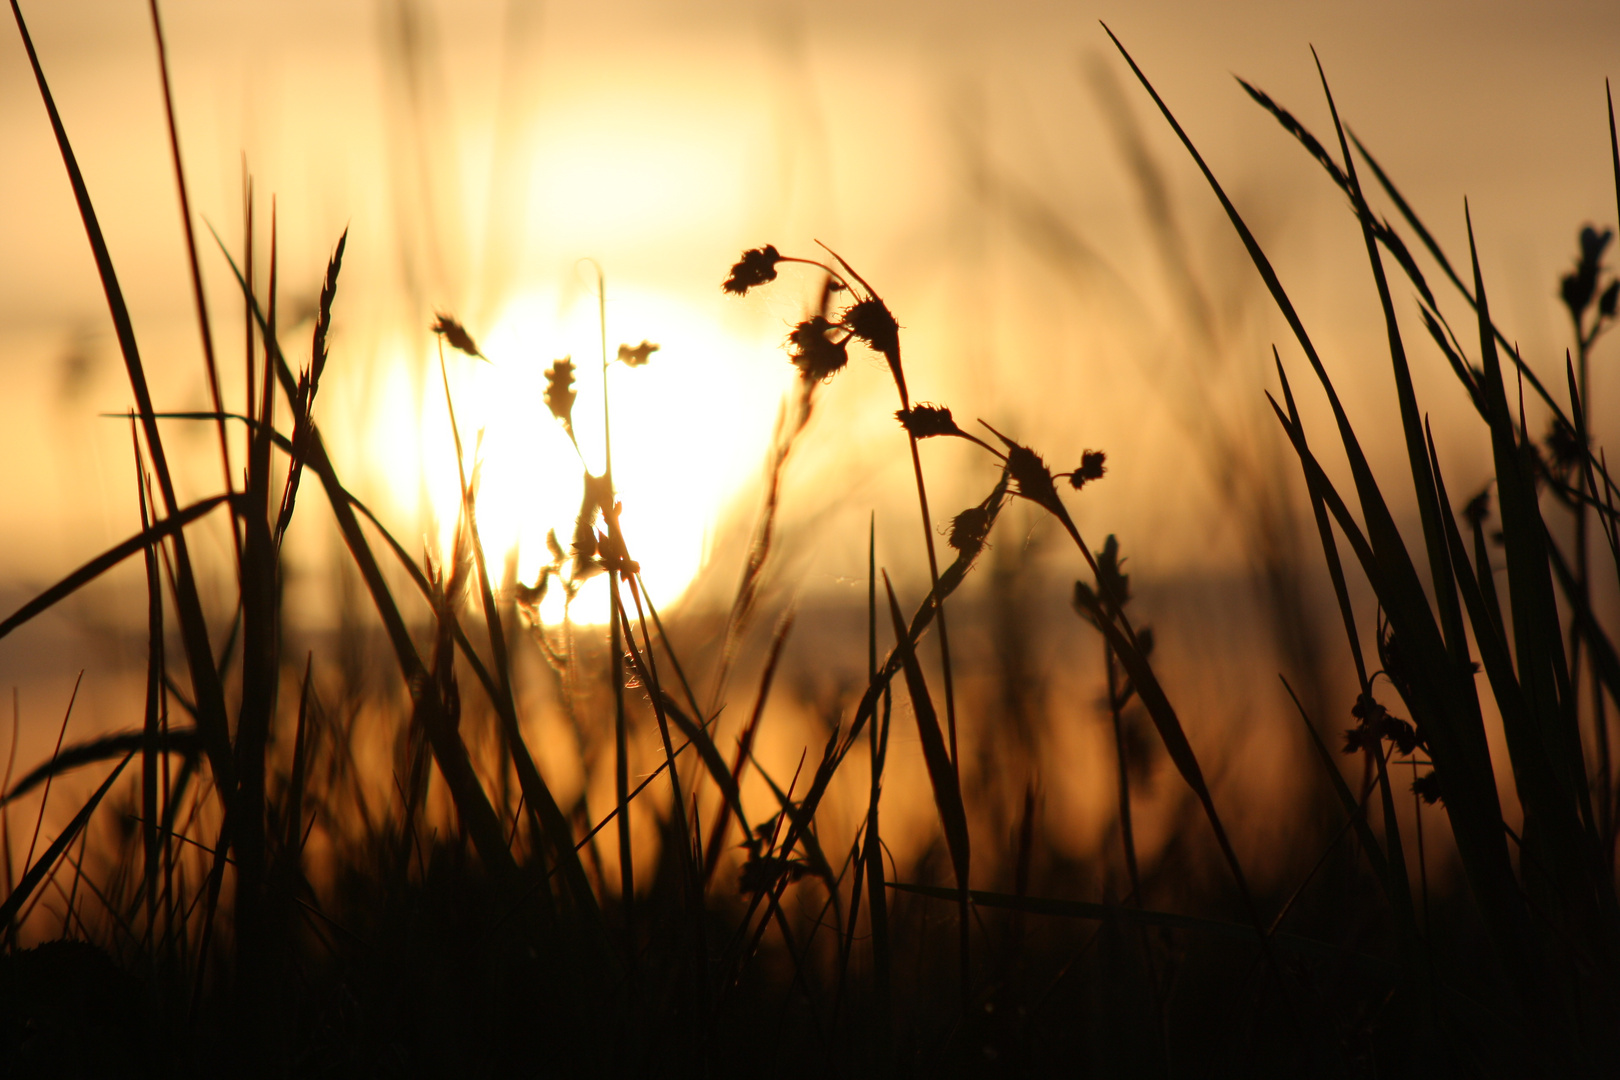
(942, 777)
(536, 794)
(1456, 736)
(84, 575)
(199, 299)
(1352, 806)
(37, 872)
(1537, 632)
(209, 694)
(183, 741)
(729, 780)
(1430, 510)
(1439, 256)
(449, 751)
(1174, 737)
(154, 695)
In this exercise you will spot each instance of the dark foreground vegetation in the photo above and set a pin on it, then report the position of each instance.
(257, 911)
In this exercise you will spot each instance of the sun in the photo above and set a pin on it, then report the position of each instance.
(689, 430)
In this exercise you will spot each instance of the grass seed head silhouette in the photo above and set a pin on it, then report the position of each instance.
(560, 394)
(1579, 286)
(1092, 467)
(871, 321)
(456, 335)
(926, 421)
(638, 355)
(756, 267)
(817, 349)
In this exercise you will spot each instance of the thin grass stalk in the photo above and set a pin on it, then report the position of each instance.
(1116, 701)
(1393, 872)
(690, 860)
(260, 674)
(1115, 712)
(250, 296)
(90, 571)
(166, 849)
(45, 798)
(866, 710)
(621, 742)
(783, 439)
(947, 793)
(745, 745)
(1600, 717)
(37, 872)
(536, 794)
(669, 648)
(154, 700)
(647, 670)
(5, 810)
(1524, 370)
(872, 856)
(898, 370)
(293, 839)
(1354, 808)
(69, 915)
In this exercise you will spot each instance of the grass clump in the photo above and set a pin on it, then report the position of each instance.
(262, 914)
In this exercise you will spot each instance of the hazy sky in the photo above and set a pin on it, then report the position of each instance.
(956, 152)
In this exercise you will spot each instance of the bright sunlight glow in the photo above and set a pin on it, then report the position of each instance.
(689, 430)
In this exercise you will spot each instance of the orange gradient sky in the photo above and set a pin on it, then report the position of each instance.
(477, 151)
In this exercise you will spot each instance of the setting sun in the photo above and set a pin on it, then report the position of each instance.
(689, 428)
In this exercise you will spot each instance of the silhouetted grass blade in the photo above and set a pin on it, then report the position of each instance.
(208, 692)
(47, 859)
(182, 740)
(93, 569)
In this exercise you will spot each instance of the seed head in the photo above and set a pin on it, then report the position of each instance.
(969, 530)
(1427, 787)
(816, 355)
(1377, 723)
(871, 321)
(560, 393)
(1580, 286)
(637, 356)
(756, 267)
(453, 332)
(1564, 450)
(1030, 473)
(925, 421)
(1091, 468)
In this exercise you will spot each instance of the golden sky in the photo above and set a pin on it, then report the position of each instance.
(959, 154)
